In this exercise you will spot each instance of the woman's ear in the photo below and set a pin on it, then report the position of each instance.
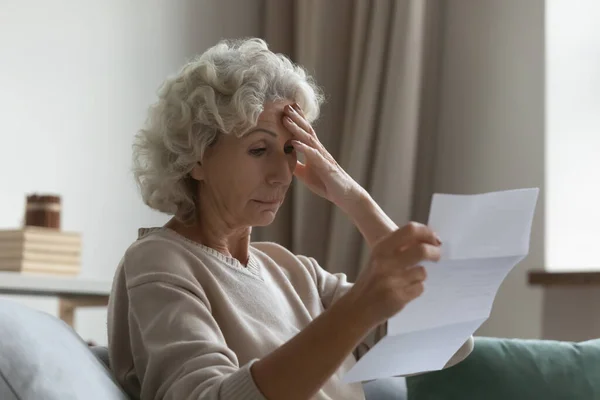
(197, 172)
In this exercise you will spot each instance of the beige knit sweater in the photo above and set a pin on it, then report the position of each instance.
(187, 322)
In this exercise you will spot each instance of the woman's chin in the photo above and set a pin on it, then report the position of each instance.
(263, 214)
(265, 218)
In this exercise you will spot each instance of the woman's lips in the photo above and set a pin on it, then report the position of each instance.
(269, 202)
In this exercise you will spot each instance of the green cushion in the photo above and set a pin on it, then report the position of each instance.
(516, 369)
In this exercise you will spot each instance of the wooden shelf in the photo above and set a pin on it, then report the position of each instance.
(575, 278)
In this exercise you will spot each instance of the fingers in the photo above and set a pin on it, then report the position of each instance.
(420, 252)
(300, 171)
(411, 233)
(409, 284)
(295, 122)
(308, 151)
(413, 291)
(404, 277)
(298, 132)
(297, 116)
(405, 265)
(415, 275)
(298, 109)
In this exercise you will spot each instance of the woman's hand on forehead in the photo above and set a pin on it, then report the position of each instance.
(320, 172)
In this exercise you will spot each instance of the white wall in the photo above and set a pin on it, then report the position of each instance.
(76, 78)
(491, 128)
(573, 134)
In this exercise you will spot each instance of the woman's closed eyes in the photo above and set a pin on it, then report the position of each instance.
(259, 151)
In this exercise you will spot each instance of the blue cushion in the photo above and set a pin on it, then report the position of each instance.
(41, 357)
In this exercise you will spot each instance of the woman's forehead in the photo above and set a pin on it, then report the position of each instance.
(273, 111)
(272, 117)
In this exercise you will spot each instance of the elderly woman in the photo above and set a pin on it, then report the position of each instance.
(199, 311)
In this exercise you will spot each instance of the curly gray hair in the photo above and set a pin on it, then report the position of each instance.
(222, 91)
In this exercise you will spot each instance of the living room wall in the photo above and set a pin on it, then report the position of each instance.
(76, 79)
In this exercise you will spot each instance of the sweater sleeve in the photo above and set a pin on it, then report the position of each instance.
(330, 286)
(180, 352)
(333, 286)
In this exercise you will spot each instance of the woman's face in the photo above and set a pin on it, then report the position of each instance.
(244, 180)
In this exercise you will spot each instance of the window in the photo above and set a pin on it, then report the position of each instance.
(572, 135)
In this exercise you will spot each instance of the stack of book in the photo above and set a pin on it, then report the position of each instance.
(40, 250)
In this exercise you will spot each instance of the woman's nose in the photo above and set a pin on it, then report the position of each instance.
(280, 172)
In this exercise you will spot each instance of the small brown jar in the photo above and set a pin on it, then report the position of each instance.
(43, 211)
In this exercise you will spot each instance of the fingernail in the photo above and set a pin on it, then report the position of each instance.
(438, 239)
(290, 108)
(297, 107)
(288, 119)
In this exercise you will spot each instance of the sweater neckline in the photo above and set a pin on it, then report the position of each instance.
(252, 267)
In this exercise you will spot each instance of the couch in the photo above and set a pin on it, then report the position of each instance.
(41, 357)
(516, 369)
